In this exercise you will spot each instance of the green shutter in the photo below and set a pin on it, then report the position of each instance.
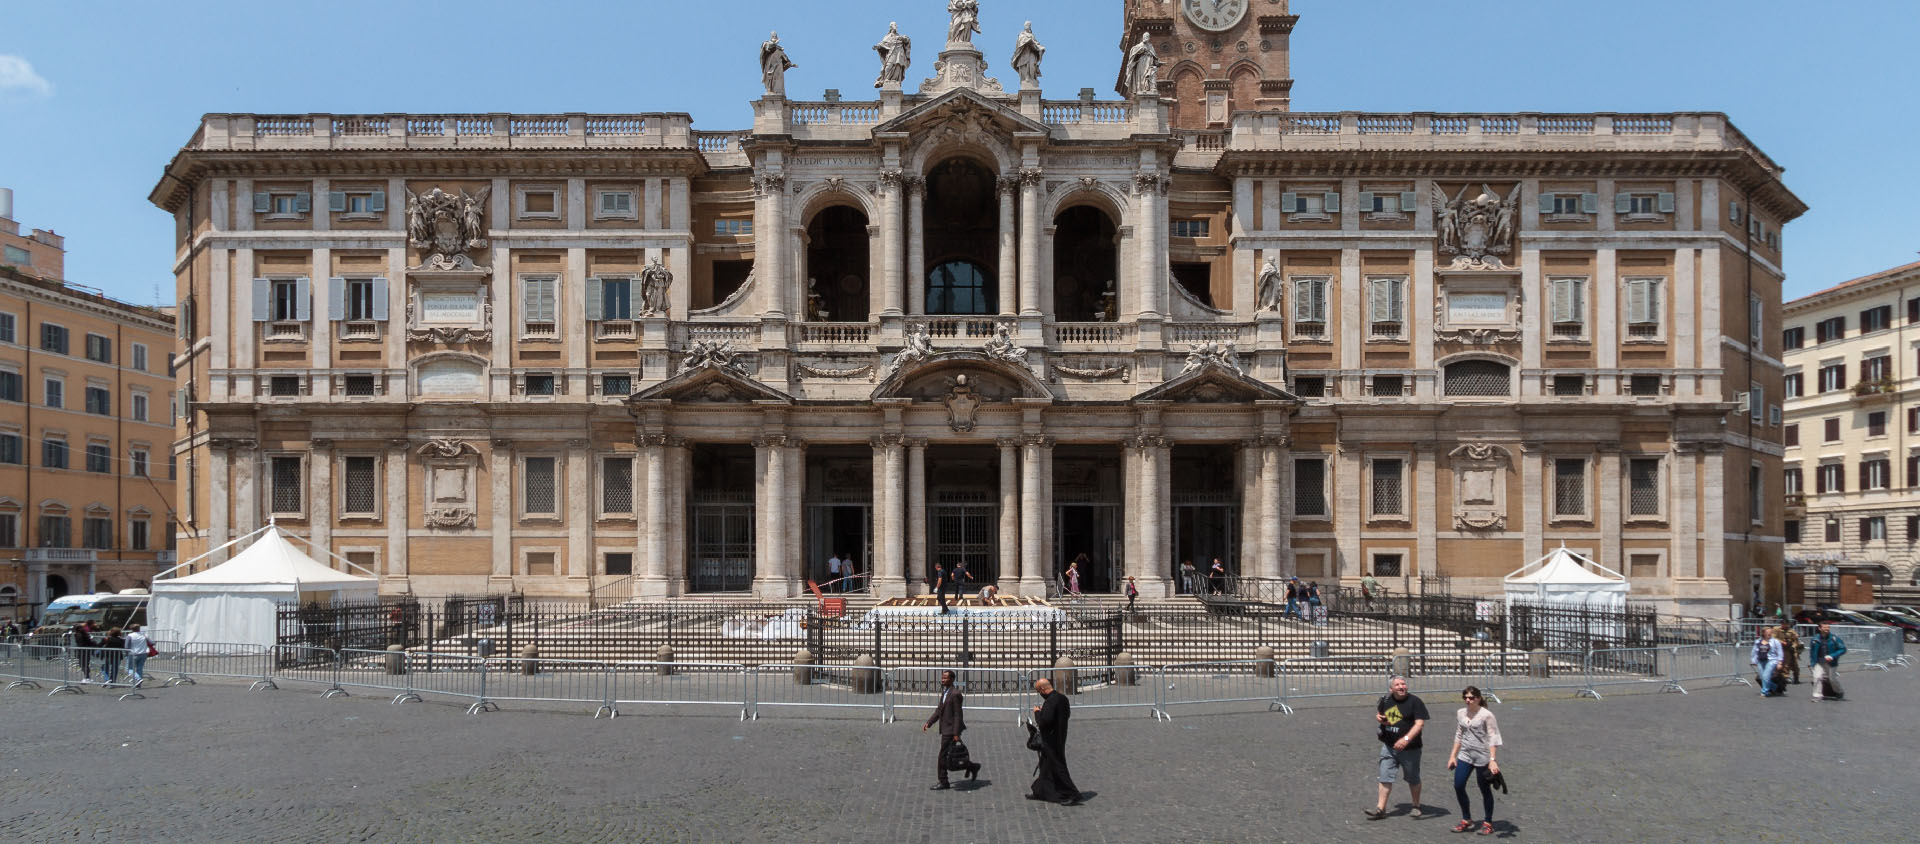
(1622, 203)
(1366, 202)
(1589, 203)
(1290, 202)
(1409, 201)
(1546, 203)
(336, 201)
(1666, 202)
(1332, 203)
(594, 301)
(377, 201)
(262, 203)
(303, 202)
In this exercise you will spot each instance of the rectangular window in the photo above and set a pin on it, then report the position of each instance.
(284, 474)
(540, 203)
(1756, 320)
(1828, 330)
(1876, 319)
(539, 298)
(1832, 530)
(1875, 474)
(140, 461)
(56, 532)
(1385, 305)
(1913, 420)
(12, 449)
(1570, 487)
(1310, 386)
(360, 299)
(1386, 565)
(732, 228)
(10, 328)
(99, 401)
(1833, 377)
(1877, 423)
(1757, 403)
(1873, 529)
(1795, 337)
(137, 538)
(1309, 486)
(1643, 486)
(359, 386)
(96, 533)
(539, 384)
(1190, 228)
(54, 391)
(1643, 308)
(1569, 307)
(1310, 308)
(1569, 385)
(1793, 531)
(1913, 528)
(1913, 311)
(1386, 202)
(360, 486)
(99, 458)
(1643, 385)
(1790, 436)
(616, 203)
(1790, 481)
(284, 299)
(616, 485)
(10, 386)
(1388, 488)
(99, 348)
(1389, 385)
(1876, 369)
(539, 484)
(1830, 430)
(1562, 203)
(53, 338)
(616, 385)
(1794, 385)
(1755, 487)
(1913, 470)
(53, 453)
(619, 562)
(9, 530)
(616, 299)
(284, 385)
(138, 357)
(1830, 477)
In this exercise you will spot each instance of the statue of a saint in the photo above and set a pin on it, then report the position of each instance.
(894, 57)
(1143, 68)
(966, 21)
(774, 65)
(1271, 287)
(1026, 57)
(654, 282)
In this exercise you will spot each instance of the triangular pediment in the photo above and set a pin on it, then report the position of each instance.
(1213, 383)
(710, 384)
(964, 108)
(989, 378)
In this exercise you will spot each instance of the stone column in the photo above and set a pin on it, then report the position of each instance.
(251, 512)
(1273, 525)
(772, 188)
(1151, 568)
(1611, 515)
(916, 281)
(917, 507)
(1607, 332)
(679, 473)
(1713, 524)
(1349, 510)
(878, 517)
(501, 524)
(893, 229)
(397, 517)
(771, 572)
(1005, 279)
(1424, 510)
(1037, 452)
(653, 531)
(1148, 189)
(1029, 242)
(1683, 560)
(320, 497)
(1253, 479)
(1531, 515)
(219, 506)
(795, 514)
(580, 508)
(890, 565)
(1009, 507)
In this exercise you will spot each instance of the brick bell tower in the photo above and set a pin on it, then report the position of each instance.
(1216, 56)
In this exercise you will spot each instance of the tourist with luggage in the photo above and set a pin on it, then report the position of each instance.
(1476, 741)
(950, 714)
(1825, 650)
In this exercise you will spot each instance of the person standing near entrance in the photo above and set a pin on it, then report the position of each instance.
(1402, 716)
(1073, 577)
(939, 583)
(1293, 598)
(950, 714)
(957, 581)
(1217, 578)
(1133, 593)
(1368, 587)
(1189, 578)
(833, 573)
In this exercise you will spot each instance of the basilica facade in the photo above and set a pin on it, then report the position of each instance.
(964, 321)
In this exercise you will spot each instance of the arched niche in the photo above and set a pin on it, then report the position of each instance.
(1086, 264)
(839, 265)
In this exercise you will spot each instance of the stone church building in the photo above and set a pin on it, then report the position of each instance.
(965, 321)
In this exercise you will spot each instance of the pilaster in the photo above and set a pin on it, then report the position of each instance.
(580, 526)
(398, 518)
(1010, 546)
(500, 526)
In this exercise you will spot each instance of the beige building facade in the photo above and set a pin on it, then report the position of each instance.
(86, 433)
(1852, 436)
(964, 321)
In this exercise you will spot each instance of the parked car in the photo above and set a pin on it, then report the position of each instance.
(1854, 618)
(1812, 616)
(1909, 626)
(1903, 609)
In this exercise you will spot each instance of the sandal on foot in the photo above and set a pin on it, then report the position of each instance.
(1486, 828)
(1463, 826)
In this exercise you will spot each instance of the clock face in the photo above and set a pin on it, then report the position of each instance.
(1215, 15)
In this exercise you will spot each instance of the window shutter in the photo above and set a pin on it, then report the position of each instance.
(1733, 211)
(1622, 203)
(262, 202)
(1409, 200)
(303, 299)
(1377, 301)
(336, 298)
(1366, 201)
(1637, 308)
(380, 292)
(1290, 202)
(1562, 300)
(303, 202)
(1666, 202)
(1398, 289)
(1546, 203)
(336, 201)
(1589, 203)
(262, 300)
(1332, 203)
(1653, 301)
(594, 301)
(377, 201)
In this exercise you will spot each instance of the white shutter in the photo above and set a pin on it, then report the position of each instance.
(1563, 300)
(1666, 202)
(380, 292)
(1377, 301)
(594, 300)
(1733, 211)
(303, 299)
(336, 299)
(1622, 203)
(1332, 203)
(262, 300)
(1290, 202)
(1589, 203)
(1546, 203)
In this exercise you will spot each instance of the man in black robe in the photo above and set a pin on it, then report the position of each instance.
(1052, 782)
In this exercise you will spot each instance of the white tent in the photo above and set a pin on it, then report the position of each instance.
(1565, 580)
(238, 601)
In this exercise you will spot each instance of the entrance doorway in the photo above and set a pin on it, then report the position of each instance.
(966, 530)
(839, 514)
(1206, 509)
(720, 516)
(57, 587)
(1087, 517)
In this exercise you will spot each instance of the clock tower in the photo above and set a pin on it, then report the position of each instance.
(1216, 56)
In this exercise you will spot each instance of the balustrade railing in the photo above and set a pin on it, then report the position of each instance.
(1209, 332)
(737, 333)
(1102, 335)
(834, 333)
(948, 328)
(1068, 113)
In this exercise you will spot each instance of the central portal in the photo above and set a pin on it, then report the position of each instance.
(963, 513)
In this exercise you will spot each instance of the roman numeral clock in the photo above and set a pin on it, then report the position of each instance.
(1214, 15)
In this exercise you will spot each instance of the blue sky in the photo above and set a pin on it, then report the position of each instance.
(1827, 89)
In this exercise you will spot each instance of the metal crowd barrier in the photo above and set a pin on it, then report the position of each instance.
(1309, 677)
(669, 683)
(1116, 687)
(1695, 663)
(1231, 681)
(221, 659)
(987, 689)
(818, 686)
(450, 675)
(553, 681)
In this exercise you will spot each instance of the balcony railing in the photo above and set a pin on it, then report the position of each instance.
(1092, 336)
(833, 333)
(960, 328)
(742, 335)
(62, 555)
(1187, 333)
(1310, 130)
(361, 131)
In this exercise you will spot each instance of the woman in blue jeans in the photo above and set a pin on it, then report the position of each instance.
(1476, 739)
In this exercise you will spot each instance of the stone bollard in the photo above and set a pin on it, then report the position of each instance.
(664, 656)
(1537, 664)
(396, 659)
(1123, 673)
(1065, 679)
(1264, 666)
(1402, 662)
(866, 675)
(530, 660)
(803, 668)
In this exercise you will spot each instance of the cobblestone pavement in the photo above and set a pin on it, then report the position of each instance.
(216, 762)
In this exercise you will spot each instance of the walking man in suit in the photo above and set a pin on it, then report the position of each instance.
(952, 718)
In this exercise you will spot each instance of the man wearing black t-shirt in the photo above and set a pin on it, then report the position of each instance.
(1401, 717)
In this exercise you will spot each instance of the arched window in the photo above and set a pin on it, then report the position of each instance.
(1085, 264)
(958, 287)
(1479, 378)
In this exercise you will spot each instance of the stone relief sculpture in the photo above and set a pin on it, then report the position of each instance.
(1271, 287)
(1143, 68)
(1480, 487)
(1026, 57)
(774, 65)
(965, 22)
(961, 403)
(895, 54)
(449, 334)
(447, 226)
(1477, 232)
(1212, 352)
(919, 347)
(447, 448)
(1001, 346)
(716, 355)
(655, 281)
(449, 463)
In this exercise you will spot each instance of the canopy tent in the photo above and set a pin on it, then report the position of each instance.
(238, 601)
(1565, 580)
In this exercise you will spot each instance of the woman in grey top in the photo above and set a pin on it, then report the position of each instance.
(1476, 740)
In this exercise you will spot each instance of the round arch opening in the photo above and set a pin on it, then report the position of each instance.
(839, 270)
(962, 229)
(1086, 263)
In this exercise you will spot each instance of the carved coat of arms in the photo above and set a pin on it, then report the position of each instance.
(447, 227)
(1476, 232)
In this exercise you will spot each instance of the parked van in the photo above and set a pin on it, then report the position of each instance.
(105, 609)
